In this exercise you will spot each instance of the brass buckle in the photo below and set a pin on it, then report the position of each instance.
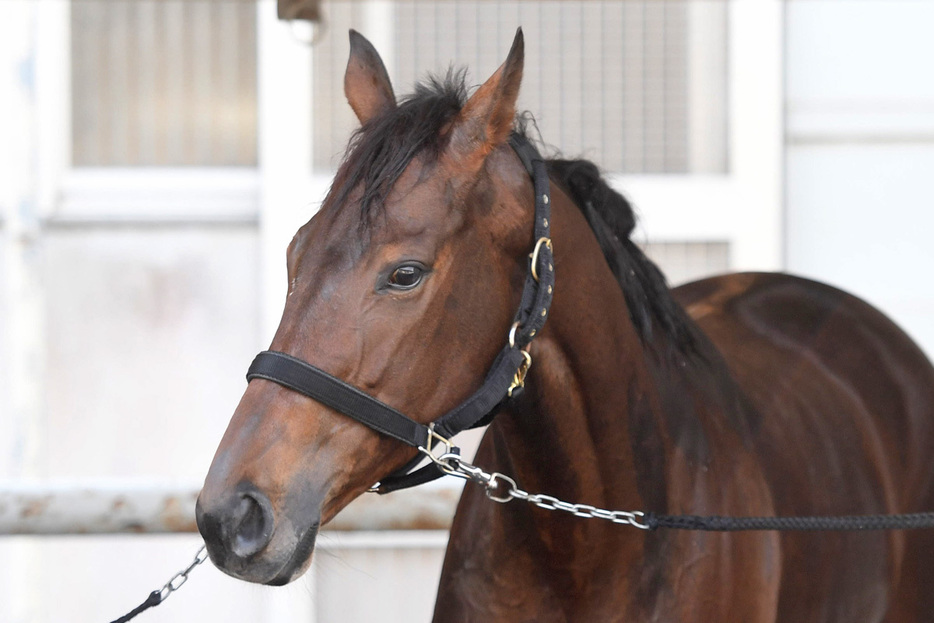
(519, 379)
(538, 247)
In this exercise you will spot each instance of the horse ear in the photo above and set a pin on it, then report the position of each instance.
(366, 83)
(486, 119)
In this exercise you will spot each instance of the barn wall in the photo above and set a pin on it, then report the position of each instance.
(860, 152)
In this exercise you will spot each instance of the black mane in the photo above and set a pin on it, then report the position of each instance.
(613, 220)
(380, 151)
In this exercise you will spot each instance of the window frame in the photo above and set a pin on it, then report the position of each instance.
(66, 193)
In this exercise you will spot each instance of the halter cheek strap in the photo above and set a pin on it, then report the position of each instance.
(505, 378)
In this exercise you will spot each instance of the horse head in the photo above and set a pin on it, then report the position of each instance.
(404, 285)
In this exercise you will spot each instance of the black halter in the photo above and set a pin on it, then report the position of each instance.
(505, 378)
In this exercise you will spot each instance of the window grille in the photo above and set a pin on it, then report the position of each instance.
(637, 86)
(158, 83)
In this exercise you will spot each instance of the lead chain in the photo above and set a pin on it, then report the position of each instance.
(453, 465)
(182, 576)
(158, 596)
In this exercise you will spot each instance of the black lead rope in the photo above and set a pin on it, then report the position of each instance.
(906, 521)
(154, 599)
(158, 596)
(503, 489)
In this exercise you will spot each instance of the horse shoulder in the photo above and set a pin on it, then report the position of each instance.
(814, 357)
(845, 425)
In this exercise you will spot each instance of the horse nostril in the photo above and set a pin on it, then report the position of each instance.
(251, 524)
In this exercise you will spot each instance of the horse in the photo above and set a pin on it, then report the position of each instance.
(748, 394)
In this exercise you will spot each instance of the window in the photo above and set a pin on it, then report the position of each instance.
(158, 83)
(643, 82)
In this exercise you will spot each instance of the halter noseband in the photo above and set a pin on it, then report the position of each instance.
(505, 378)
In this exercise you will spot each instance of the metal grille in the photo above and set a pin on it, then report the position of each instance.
(637, 86)
(158, 83)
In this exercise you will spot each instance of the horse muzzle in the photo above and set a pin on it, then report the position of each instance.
(246, 539)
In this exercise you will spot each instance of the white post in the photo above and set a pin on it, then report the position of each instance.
(52, 102)
(21, 409)
(756, 135)
(20, 429)
(707, 91)
(287, 199)
(285, 149)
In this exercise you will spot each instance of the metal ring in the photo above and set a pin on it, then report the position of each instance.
(512, 334)
(433, 435)
(538, 247)
(492, 486)
(634, 520)
(638, 524)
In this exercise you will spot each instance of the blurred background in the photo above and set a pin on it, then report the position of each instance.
(156, 156)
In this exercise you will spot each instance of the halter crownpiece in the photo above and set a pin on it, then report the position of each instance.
(504, 380)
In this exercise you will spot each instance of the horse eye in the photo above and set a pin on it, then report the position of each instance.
(406, 277)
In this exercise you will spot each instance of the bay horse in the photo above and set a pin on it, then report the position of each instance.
(745, 394)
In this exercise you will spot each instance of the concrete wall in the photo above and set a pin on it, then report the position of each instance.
(860, 152)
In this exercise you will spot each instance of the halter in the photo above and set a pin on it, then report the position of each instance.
(505, 379)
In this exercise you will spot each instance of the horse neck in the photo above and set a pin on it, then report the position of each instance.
(603, 410)
(606, 419)
(569, 435)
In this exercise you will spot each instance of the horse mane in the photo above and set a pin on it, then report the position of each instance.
(613, 220)
(379, 152)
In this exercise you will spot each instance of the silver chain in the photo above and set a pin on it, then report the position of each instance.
(501, 488)
(182, 576)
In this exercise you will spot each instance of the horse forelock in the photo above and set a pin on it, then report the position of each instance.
(381, 150)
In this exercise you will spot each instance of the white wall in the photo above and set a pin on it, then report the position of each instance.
(860, 152)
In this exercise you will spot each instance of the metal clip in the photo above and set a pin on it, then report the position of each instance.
(493, 485)
(519, 379)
